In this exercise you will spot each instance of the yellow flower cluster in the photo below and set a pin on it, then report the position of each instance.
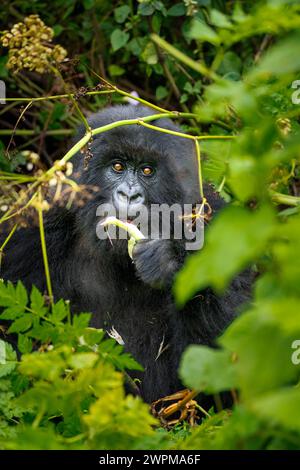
(285, 125)
(30, 46)
(192, 7)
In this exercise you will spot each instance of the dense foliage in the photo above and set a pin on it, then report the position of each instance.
(234, 65)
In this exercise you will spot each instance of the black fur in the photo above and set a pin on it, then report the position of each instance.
(134, 298)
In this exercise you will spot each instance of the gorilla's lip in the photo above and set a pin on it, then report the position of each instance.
(132, 220)
(129, 219)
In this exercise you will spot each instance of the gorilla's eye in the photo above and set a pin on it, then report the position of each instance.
(147, 170)
(118, 167)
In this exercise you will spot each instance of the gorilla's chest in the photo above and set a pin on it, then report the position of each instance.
(119, 300)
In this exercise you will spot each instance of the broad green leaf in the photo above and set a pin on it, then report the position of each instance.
(116, 70)
(280, 408)
(145, 9)
(202, 32)
(231, 63)
(149, 54)
(21, 324)
(208, 370)
(60, 311)
(277, 61)
(121, 13)
(21, 295)
(37, 302)
(235, 238)
(264, 351)
(83, 360)
(8, 358)
(177, 10)
(24, 344)
(118, 39)
(161, 92)
(220, 20)
(12, 313)
(81, 320)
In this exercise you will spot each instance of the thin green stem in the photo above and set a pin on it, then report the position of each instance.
(198, 155)
(197, 66)
(181, 134)
(8, 237)
(285, 199)
(221, 186)
(10, 214)
(37, 131)
(128, 95)
(72, 98)
(44, 248)
(58, 97)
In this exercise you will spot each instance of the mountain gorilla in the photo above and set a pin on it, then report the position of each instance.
(131, 166)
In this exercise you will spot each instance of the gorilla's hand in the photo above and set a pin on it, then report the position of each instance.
(155, 262)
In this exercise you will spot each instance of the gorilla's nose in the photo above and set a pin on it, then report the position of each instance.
(129, 195)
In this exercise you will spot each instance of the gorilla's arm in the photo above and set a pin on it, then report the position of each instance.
(22, 257)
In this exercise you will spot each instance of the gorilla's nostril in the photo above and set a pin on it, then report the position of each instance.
(122, 195)
(127, 195)
(135, 197)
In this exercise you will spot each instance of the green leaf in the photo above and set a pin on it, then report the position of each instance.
(263, 348)
(177, 10)
(136, 45)
(93, 336)
(277, 61)
(60, 311)
(58, 29)
(7, 294)
(37, 302)
(145, 9)
(218, 155)
(118, 39)
(24, 344)
(161, 92)
(121, 13)
(116, 70)
(231, 63)
(11, 313)
(221, 259)
(8, 358)
(207, 370)
(149, 54)
(83, 360)
(10, 295)
(88, 4)
(220, 20)
(280, 408)
(202, 32)
(156, 22)
(81, 320)
(21, 324)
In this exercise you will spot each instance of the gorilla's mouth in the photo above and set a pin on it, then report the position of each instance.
(132, 221)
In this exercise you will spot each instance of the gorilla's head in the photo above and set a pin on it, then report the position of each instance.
(133, 166)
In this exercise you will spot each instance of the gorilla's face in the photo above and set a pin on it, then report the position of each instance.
(134, 168)
(131, 184)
